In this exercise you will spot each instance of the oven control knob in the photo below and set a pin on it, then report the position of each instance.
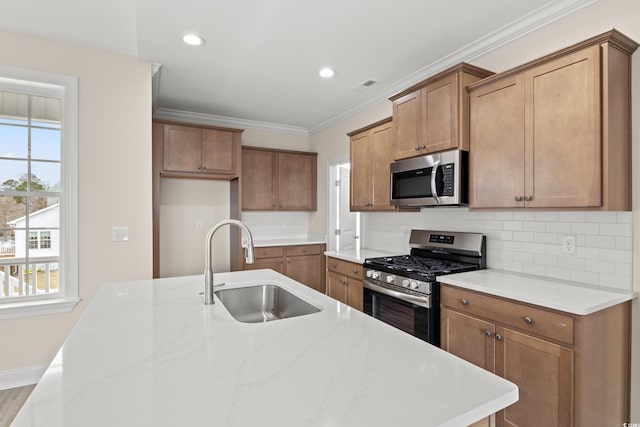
(405, 283)
(414, 284)
(375, 275)
(369, 273)
(390, 279)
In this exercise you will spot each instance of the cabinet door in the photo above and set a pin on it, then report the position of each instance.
(469, 338)
(381, 144)
(218, 152)
(355, 294)
(543, 372)
(360, 157)
(563, 142)
(275, 264)
(296, 181)
(407, 118)
(306, 269)
(337, 287)
(182, 148)
(496, 151)
(440, 114)
(258, 180)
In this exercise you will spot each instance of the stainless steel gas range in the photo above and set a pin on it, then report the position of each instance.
(403, 290)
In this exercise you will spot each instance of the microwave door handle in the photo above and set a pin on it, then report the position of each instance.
(434, 190)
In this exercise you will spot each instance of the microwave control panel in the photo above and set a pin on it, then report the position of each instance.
(448, 179)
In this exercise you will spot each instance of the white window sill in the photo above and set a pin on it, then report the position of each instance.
(37, 308)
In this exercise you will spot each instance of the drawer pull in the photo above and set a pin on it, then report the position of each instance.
(528, 320)
(344, 282)
(488, 333)
(464, 301)
(498, 337)
(355, 271)
(334, 265)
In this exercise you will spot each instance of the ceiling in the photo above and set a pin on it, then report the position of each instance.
(261, 58)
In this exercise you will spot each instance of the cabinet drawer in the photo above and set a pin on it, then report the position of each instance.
(269, 252)
(345, 268)
(304, 250)
(548, 324)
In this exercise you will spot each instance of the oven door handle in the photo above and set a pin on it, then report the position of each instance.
(434, 187)
(413, 299)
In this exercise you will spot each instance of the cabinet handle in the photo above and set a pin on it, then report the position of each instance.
(417, 147)
(518, 198)
(464, 301)
(355, 271)
(422, 147)
(334, 265)
(199, 167)
(528, 198)
(498, 337)
(204, 168)
(528, 320)
(488, 333)
(344, 282)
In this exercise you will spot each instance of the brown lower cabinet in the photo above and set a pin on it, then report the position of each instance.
(344, 282)
(570, 370)
(302, 263)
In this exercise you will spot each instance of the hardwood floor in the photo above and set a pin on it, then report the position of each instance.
(11, 401)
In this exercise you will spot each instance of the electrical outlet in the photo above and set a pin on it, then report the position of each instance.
(568, 244)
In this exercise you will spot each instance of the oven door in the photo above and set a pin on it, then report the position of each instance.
(418, 316)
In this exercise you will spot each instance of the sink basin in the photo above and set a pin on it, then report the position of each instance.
(263, 303)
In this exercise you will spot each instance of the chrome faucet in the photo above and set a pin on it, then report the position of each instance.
(208, 265)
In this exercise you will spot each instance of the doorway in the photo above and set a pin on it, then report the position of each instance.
(344, 225)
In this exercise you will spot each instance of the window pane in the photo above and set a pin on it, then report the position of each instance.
(45, 176)
(45, 111)
(45, 240)
(14, 141)
(45, 144)
(14, 108)
(33, 240)
(10, 173)
(44, 213)
(12, 212)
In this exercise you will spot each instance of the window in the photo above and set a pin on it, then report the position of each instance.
(38, 193)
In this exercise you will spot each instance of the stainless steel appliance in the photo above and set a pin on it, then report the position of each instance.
(403, 290)
(438, 179)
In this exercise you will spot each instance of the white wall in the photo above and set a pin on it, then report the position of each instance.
(114, 180)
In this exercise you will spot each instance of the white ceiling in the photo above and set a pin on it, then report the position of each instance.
(261, 58)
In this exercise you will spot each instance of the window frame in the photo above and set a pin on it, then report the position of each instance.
(66, 87)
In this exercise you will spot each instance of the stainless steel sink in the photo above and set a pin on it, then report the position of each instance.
(263, 303)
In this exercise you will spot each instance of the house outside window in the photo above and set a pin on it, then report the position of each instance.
(38, 193)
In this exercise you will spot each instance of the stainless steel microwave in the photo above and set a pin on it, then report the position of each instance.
(438, 179)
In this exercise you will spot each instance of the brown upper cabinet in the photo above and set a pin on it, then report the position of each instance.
(278, 180)
(555, 132)
(371, 153)
(207, 152)
(433, 115)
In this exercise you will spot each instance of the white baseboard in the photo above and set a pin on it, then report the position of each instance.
(22, 376)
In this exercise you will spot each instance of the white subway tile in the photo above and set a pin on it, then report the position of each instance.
(623, 269)
(494, 225)
(523, 257)
(571, 263)
(534, 248)
(513, 225)
(601, 217)
(534, 226)
(503, 215)
(558, 273)
(516, 267)
(558, 227)
(546, 260)
(571, 216)
(535, 269)
(524, 216)
(513, 246)
(625, 217)
(555, 250)
(615, 229)
(624, 243)
(548, 238)
(600, 241)
(615, 255)
(588, 253)
(546, 216)
(617, 282)
(585, 277)
(585, 228)
(485, 215)
(604, 267)
(523, 236)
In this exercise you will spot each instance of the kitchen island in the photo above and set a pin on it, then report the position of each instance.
(150, 353)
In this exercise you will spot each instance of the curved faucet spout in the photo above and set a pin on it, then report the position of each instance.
(208, 262)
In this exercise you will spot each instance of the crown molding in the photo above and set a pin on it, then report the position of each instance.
(540, 17)
(209, 119)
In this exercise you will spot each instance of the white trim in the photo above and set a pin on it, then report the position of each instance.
(37, 307)
(22, 376)
(186, 116)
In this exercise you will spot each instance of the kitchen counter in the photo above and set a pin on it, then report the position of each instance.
(570, 297)
(290, 241)
(149, 353)
(359, 255)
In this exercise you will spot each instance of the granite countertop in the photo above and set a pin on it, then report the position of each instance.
(570, 297)
(150, 353)
(359, 255)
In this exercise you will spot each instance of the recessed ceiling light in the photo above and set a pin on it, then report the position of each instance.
(192, 39)
(327, 73)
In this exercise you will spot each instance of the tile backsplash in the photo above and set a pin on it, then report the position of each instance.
(524, 241)
(277, 225)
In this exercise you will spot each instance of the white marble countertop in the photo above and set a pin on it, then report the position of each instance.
(149, 353)
(288, 241)
(358, 256)
(571, 297)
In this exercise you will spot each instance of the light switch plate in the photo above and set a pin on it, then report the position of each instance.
(120, 234)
